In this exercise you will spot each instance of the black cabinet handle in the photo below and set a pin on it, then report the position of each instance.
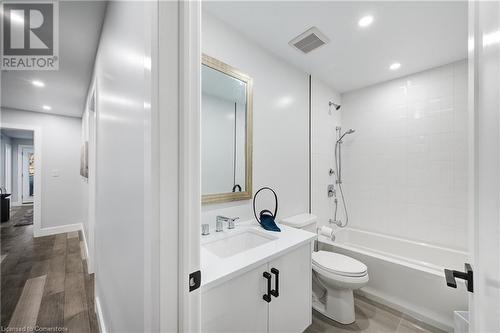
(276, 291)
(468, 275)
(267, 297)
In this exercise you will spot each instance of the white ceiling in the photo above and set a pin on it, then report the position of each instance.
(419, 35)
(17, 133)
(66, 89)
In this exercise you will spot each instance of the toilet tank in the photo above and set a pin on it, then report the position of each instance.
(302, 221)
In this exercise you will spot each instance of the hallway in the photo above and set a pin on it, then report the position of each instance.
(44, 281)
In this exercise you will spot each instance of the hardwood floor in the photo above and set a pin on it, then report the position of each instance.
(44, 282)
(371, 317)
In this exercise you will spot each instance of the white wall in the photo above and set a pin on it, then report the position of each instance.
(280, 122)
(61, 196)
(324, 119)
(123, 76)
(405, 168)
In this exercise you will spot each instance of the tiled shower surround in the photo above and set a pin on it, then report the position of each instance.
(405, 169)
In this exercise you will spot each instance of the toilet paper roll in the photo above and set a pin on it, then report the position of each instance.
(326, 231)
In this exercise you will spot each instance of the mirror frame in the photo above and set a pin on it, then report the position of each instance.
(233, 72)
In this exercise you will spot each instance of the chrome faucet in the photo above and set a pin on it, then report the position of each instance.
(220, 222)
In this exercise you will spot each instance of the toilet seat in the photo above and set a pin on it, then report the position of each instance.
(341, 281)
(338, 264)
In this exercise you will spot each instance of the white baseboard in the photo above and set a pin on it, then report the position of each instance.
(86, 249)
(100, 317)
(57, 230)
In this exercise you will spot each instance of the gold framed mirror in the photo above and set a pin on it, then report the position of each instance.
(226, 132)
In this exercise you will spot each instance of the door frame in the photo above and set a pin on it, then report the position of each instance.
(20, 171)
(91, 110)
(8, 167)
(178, 99)
(484, 187)
(472, 91)
(189, 163)
(37, 148)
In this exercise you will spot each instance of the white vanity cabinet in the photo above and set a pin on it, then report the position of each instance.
(238, 305)
(291, 311)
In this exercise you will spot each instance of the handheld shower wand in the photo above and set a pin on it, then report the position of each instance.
(338, 176)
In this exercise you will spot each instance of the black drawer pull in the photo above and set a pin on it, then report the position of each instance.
(276, 291)
(267, 297)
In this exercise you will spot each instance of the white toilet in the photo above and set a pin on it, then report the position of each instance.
(335, 276)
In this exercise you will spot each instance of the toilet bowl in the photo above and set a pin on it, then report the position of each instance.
(335, 276)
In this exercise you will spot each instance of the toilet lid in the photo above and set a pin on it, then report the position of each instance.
(339, 264)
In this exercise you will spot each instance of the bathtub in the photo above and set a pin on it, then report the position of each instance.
(405, 275)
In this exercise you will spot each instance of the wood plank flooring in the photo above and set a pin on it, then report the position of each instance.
(371, 317)
(44, 282)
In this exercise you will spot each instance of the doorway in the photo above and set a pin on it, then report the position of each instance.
(27, 174)
(24, 185)
(8, 168)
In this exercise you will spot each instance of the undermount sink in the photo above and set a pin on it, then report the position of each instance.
(237, 243)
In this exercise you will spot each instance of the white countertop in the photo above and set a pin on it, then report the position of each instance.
(216, 270)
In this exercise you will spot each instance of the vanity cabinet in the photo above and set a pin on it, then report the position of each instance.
(291, 310)
(238, 305)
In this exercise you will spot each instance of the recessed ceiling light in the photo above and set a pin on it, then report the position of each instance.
(395, 66)
(365, 21)
(38, 83)
(47, 108)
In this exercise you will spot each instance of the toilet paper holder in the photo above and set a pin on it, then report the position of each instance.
(326, 231)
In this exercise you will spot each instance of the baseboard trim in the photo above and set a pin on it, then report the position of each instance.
(57, 230)
(100, 317)
(86, 250)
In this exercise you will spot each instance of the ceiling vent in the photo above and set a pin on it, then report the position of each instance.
(309, 40)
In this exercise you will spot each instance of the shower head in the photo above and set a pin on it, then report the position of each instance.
(350, 131)
(336, 106)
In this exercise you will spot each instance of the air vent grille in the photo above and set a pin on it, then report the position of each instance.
(309, 40)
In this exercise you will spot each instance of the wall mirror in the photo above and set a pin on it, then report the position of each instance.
(226, 133)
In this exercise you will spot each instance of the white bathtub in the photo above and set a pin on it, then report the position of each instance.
(405, 275)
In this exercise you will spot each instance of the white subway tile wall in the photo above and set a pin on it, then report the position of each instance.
(324, 119)
(405, 169)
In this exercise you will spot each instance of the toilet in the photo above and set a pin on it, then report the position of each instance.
(335, 276)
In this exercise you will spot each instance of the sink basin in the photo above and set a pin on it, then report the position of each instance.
(237, 243)
(5, 195)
